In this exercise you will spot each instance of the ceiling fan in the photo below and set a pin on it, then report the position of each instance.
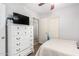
(41, 4)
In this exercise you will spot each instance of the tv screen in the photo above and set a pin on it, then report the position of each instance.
(20, 19)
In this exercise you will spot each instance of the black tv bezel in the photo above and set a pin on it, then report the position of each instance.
(20, 16)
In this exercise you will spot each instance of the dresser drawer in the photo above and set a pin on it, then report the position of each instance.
(25, 52)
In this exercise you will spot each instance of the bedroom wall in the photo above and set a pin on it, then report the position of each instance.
(49, 24)
(67, 25)
(69, 21)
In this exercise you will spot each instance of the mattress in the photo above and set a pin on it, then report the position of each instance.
(58, 47)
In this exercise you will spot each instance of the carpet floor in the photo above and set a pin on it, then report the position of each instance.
(36, 47)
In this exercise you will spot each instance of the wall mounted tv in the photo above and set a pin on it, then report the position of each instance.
(20, 19)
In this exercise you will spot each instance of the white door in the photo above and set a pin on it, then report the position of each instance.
(53, 27)
(2, 29)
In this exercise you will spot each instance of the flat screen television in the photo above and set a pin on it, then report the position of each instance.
(20, 19)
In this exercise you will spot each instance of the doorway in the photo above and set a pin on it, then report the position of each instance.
(36, 27)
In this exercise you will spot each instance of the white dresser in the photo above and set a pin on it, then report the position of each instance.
(20, 39)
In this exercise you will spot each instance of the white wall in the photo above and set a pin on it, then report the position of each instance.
(49, 25)
(68, 23)
(53, 26)
(2, 30)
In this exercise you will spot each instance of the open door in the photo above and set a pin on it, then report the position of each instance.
(35, 24)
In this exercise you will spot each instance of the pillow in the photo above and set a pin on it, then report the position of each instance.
(48, 36)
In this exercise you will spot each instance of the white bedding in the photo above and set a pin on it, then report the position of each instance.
(58, 47)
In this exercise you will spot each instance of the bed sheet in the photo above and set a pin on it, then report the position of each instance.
(58, 47)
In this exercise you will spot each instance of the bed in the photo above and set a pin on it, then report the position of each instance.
(58, 47)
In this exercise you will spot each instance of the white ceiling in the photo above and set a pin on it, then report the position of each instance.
(45, 10)
(41, 11)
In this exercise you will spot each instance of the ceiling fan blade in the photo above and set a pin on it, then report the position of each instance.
(41, 4)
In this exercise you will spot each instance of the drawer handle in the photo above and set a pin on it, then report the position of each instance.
(18, 44)
(17, 32)
(18, 49)
(18, 38)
